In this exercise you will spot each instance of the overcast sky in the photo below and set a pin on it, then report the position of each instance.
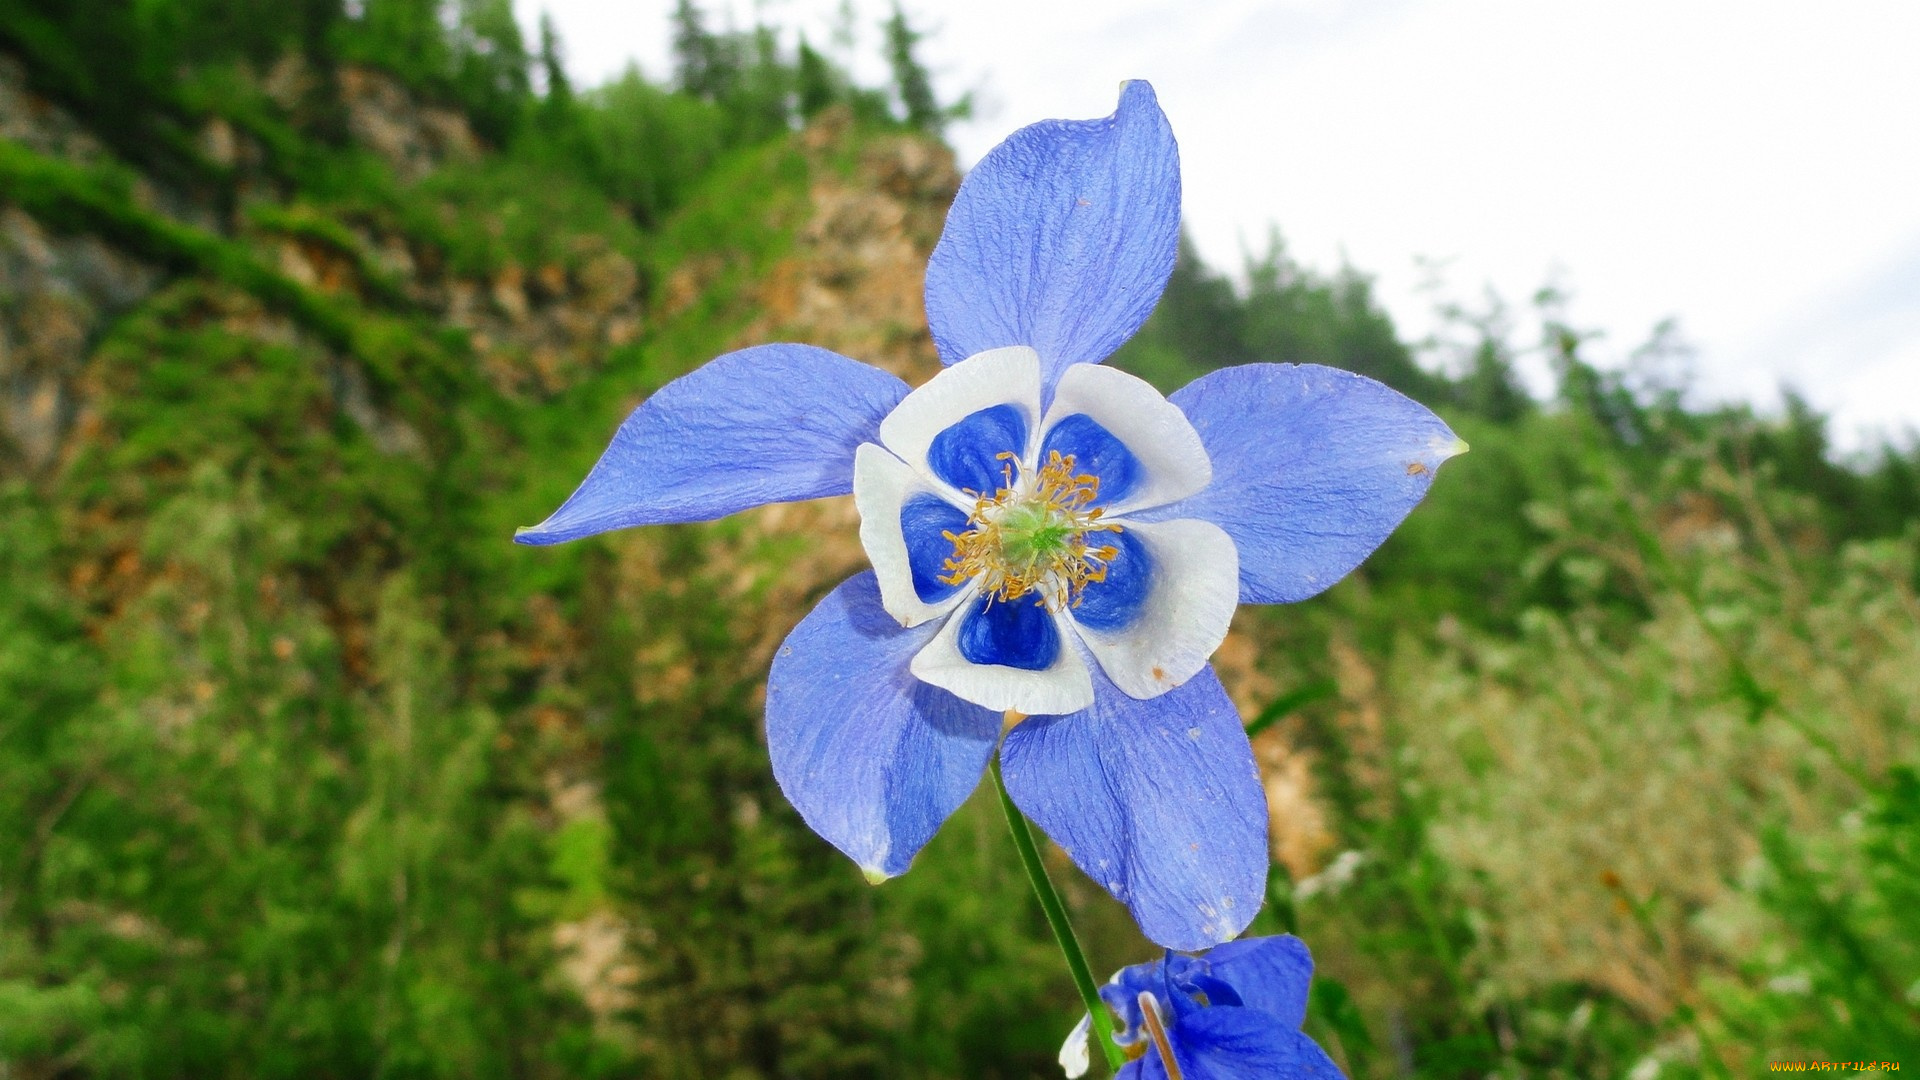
(1751, 168)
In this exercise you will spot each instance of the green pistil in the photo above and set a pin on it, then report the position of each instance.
(1035, 541)
(1033, 536)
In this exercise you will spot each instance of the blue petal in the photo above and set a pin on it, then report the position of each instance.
(967, 455)
(1156, 800)
(1233, 1044)
(772, 423)
(1061, 238)
(1011, 633)
(1178, 985)
(1269, 973)
(1095, 450)
(1171, 980)
(1216, 991)
(1122, 997)
(924, 521)
(1113, 604)
(873, 758)
(1312, 468)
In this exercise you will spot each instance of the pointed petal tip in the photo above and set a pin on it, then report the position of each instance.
(875, 875)
(1454, 449)
(558, 528)
(1015, 263)
(767, 424)
(532, 535)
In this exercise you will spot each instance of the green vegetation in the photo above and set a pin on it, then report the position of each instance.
(1606, 764)
(1617, 733)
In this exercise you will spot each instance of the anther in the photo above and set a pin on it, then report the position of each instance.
(1031, 536)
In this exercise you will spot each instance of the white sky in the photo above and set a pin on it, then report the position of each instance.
(1751, 168)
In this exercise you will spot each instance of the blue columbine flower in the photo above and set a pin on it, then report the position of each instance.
(1048, 536)
(1232, 1014)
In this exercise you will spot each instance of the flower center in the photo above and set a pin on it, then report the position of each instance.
(1031, 536)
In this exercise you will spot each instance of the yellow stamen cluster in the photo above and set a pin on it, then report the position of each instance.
(1031, 536)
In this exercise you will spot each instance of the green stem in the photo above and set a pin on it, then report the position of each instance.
(1056, 913)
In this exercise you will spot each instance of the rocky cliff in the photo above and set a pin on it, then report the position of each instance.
(365, 786)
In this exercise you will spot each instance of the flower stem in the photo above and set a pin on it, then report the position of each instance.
(1056, 913)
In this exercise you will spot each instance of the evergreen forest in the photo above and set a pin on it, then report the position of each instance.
(1606, 765)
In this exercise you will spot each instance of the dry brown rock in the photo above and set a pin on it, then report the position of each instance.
(854, 281)
(383, 116)
(57, 296)
(37, 124)
(537, 334)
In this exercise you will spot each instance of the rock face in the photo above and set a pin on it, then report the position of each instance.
(855, 281)
(57, 296)
(411, 137)
(57, 292)
(533, 330)
(537, 332)
(37, 124)
(258, 443)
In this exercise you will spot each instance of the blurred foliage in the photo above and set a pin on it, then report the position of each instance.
(1604, 765)
(1617, 777)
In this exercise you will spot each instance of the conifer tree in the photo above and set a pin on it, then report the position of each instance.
(552, 64)
(911, 81)
(702, 66)
(491, 69)
(404, 36)
(813, 78)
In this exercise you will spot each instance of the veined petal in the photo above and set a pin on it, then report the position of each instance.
(1039, 674)
(902, 515)
(1312, 468)
(1061, 238)
(1269, 973)
(873, 758)
(987, 382)
(1158, 801)
(774, 423)
(1233, 1044)
(1119, 428)
(1164, 607)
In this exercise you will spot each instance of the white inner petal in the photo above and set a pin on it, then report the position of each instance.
(1154, 429)
(1195, 587)
(1064, 687)
(1074, 1057)
(1192, 589)
(882, 484)
(1009, 376)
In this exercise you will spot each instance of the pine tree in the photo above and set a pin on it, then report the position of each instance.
(406, 37)
(491, 68)
(814, 80)
(559, 89)
(910, 79)
(701, 63)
